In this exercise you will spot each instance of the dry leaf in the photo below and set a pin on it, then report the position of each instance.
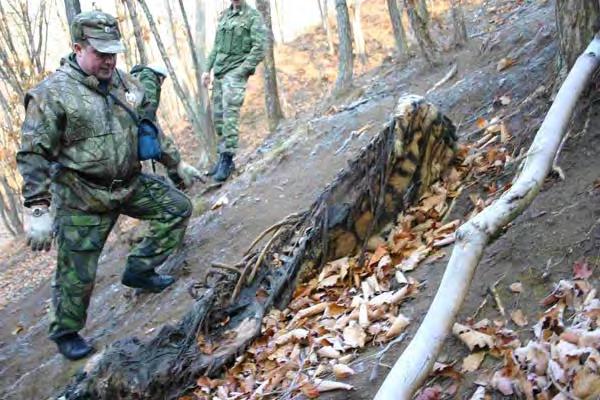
(505, 63)
(473, 361)
(400, 278)
(363, 315)
(221, 201)
(516, 287)
(342, 371)
(581, 269)
(415, 258)
(329, 281)
(296, 334)
(481, 123)
(479, 393)
(519, 318)
(326, 386)
(354, 336)
(504, 134)
(430, 393)
(400, 323)
(504, 100)
(310, 311)
(328, 352)
(471, 338)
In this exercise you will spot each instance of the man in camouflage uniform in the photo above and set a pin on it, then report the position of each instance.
(78, 140)
(238, 48)
(151, 77)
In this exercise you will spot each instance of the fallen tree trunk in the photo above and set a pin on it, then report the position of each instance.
(405, 158)
(414, 365)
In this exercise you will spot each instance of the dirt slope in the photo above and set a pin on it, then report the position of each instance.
(285, 175)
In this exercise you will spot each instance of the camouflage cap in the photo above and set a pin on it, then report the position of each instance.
(99, 29)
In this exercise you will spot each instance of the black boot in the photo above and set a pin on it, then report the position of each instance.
(226, 167)
(215, 167)
(152, 282)
(72, 346)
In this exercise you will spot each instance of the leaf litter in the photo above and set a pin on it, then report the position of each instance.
(305, 349)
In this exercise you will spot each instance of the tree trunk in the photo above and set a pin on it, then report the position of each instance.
(398, 27)
(137, 31)
(458, 19)
(125, 31)
(423, 11)
(274, 113)
(11, 208)
(279, 16)
(324, 11)
(359, 37)
(190, 40)
(205, 109)
(72, 7)
(575, 21)
(421, 30)
(190, 111)
(345, 55)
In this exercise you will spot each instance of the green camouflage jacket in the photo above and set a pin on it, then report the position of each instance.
(239, 43)
(80, 140)
(152, 86)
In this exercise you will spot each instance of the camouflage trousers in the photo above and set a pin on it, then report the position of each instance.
(228, 97)
(81, 237)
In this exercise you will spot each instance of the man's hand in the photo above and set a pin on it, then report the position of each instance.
(188, 174)
(38, 225)
(206, 79)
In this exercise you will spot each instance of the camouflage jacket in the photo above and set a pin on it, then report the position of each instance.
(239, 43)
(152, 87)
(77, 138)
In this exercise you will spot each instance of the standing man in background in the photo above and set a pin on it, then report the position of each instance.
(238, 49)
(79, 139)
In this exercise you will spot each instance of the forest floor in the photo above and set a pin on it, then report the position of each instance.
(289, 169)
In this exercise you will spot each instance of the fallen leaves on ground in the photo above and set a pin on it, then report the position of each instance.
(349, 306)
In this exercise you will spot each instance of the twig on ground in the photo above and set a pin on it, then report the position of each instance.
(496, 296)
(445, 79)
(353, 134)
(262, 254)
(286, 221)
(483, 303)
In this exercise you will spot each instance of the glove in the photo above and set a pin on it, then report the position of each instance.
(38, 224)
(188, 174)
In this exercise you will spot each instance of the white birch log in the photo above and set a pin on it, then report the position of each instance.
(413, 366)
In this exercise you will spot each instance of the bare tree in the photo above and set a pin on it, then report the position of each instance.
(324, 10)
(398, 27)
(274, 113)
(458, 19)
(23, 45)
(576, 22)
(423, 10)
(185, 99)
(137, 31)
(345, 55)
(126, 33)
(205, 109)
(421, 30)
(359, 37)
(72, 7)
(279, 16)
(190, 40)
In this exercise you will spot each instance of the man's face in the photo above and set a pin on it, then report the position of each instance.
(91, 61)
(236, 3)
